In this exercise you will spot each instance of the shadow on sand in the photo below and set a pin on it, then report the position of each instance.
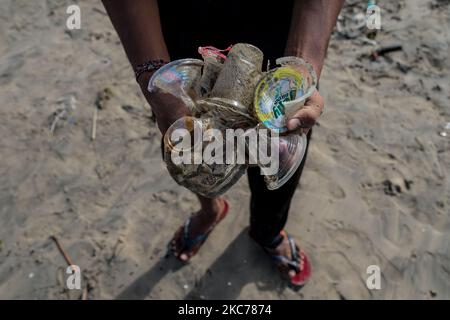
(242, 263)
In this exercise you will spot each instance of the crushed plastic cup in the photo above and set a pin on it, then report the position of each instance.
(240, 74)
(180, 78)
(229, 113)
(283, 91)
(184, 144)
(291, 150)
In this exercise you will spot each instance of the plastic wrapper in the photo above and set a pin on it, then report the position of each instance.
(213, 62)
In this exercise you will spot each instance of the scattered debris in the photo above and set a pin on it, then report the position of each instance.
(383, 50)
(100, 104)
(102, 97)
(445, 131)
(128, 108)
(352, 21)
(351, 26)
(69, 105)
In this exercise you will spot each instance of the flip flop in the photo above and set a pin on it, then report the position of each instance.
(298, 258)
(199, 240)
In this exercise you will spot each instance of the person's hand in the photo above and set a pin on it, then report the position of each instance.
(305, 118)
(166, 108)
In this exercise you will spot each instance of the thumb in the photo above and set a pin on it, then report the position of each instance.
(307, 116)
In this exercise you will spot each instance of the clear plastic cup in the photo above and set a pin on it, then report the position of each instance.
(229, 113)
(283, 91)
(290, 151)
(240, 74)
(180, 78)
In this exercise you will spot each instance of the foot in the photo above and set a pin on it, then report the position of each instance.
(297, 276)
(201, 223)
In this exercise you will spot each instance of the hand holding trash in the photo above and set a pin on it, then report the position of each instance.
(173, 91)
(305, 118)
(232, 92)
(167, 109)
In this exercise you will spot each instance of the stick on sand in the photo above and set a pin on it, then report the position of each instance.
(94, 123)
(63, 252)
(69, 262)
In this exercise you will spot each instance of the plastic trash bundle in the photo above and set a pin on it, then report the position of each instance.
(231, 92)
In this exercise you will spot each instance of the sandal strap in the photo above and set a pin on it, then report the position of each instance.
(189, 243)
(294, 248)
(291, 263)
(294, 263)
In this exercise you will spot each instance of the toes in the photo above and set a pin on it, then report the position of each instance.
(184, 257)
(175, 244)
(291, 273)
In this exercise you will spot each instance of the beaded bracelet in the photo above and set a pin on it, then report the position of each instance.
(150, 65)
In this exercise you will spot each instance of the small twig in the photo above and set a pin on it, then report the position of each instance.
(382, 51)
(69, 262)
(62, 251)
(94, 123)
(84, 294)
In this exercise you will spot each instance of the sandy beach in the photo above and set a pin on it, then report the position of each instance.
(375, 190)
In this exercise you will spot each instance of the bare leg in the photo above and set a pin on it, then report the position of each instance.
(201, 222)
